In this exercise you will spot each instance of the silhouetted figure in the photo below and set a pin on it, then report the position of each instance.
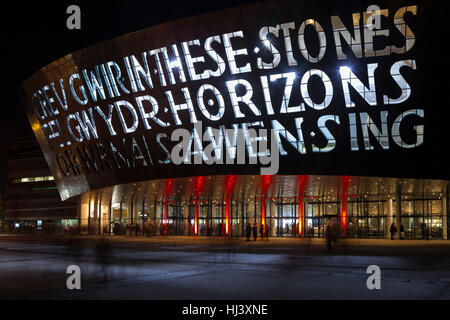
(402, 232)
(261, 231)
(331, 234)
(266, 233)
(424, 229)
(104, 252)
(393, 230)
(147, 229)
(335, 231)
(248, 231)
(328, 236)
(255, 232)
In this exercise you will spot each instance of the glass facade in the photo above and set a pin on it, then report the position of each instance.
(368, 217)
(423, 218)
(366, 209)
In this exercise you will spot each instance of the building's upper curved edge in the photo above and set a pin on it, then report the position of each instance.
(175, 32)
(129, 34)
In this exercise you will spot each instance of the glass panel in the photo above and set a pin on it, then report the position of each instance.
(407, 207)
(408, 225)
(436, 227)
(373, 227)
(331, 208)
(419, 228)
(419, 207)
(382, 231)
(373, 209)
(436, 207)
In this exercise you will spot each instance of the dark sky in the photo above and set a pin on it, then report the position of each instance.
(36, 34)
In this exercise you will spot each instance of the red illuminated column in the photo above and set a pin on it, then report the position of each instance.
(195, 218)
(227, 216)
(303, 180)
(300, 216)
(229, 186)
(266, 181)
(345, 183)
(165, 217)
(263, 214)
(198, 187)
(344, 215)
(169, 186)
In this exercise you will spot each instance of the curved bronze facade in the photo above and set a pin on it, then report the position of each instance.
(346, 92)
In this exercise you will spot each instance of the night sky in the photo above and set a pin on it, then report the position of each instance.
(36, 34)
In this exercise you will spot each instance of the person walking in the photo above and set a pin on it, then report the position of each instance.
(248, 231)
(261, 231)
(267, 232)
(393, 230)
(334, 232)
(402, 232)
(255, 232)
(104, 257)
(329, 236)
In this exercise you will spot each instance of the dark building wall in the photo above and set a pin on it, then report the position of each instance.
(32, 200)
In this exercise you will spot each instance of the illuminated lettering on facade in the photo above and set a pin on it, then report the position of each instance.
(316, 83)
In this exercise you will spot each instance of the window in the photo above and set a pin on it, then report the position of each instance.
(34, 179)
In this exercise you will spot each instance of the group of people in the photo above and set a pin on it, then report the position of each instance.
(253, 230)
(131, 229)
(287, 229)
(393, 231)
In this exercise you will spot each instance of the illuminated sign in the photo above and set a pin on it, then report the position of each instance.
(341, 86)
